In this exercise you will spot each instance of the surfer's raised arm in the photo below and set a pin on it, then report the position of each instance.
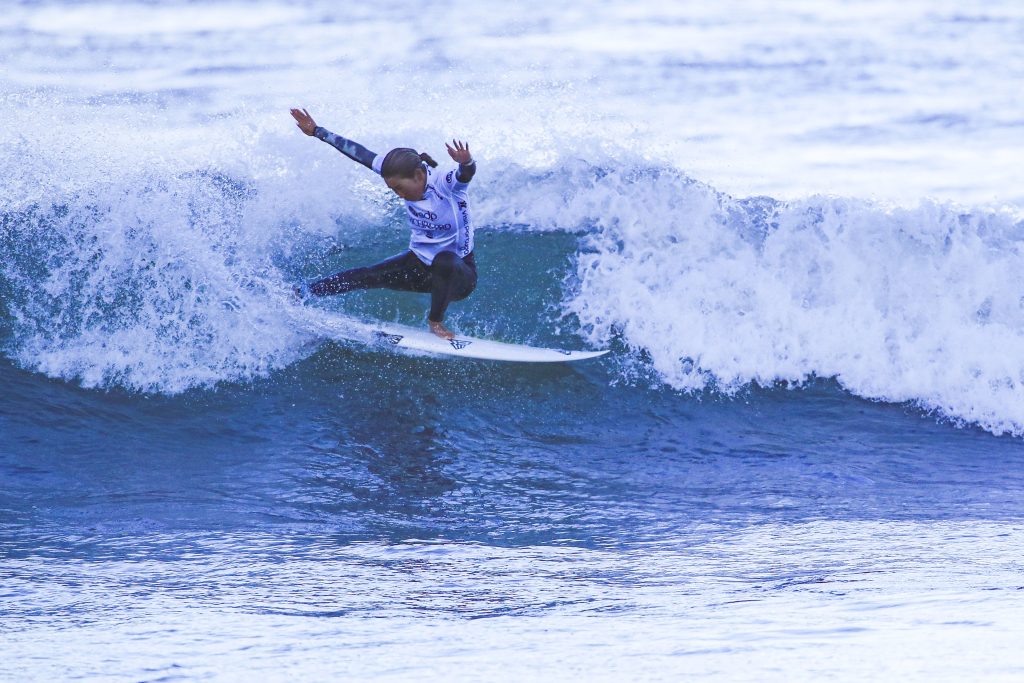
(460, 154)
(439, 260)
(353, 150)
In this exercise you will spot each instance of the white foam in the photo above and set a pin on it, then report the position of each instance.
(922, 304)
(162, 249)
(147, 258)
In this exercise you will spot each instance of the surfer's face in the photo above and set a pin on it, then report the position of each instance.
(409, 189)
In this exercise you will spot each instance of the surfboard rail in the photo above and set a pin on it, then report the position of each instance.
(412, 339)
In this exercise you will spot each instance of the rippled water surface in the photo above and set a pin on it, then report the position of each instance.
(796, 225)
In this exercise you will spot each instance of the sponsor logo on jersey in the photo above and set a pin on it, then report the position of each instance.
(429, 215)
(427, 226)
(448, 178)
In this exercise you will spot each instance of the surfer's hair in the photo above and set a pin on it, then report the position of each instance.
(403, 162)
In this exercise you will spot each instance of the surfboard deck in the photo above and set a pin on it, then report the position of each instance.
(425, 341)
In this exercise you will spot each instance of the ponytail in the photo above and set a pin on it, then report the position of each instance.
(402, 162)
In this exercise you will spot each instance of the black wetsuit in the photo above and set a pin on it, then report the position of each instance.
(440, 260)
(449, 278)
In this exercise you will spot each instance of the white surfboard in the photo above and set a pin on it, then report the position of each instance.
(423, 340)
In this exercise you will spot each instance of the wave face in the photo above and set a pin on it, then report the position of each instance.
(155, 215)
(163, 280)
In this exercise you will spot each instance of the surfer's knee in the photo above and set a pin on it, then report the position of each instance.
(464, 288)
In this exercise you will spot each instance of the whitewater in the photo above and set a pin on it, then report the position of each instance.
(160, 258)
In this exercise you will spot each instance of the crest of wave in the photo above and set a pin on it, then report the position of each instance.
(140, 260)
(922, 304)
(151, 289)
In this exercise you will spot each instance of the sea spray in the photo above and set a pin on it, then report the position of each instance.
(163, 268)
(922, 304)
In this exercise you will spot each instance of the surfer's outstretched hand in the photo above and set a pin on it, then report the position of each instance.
(440, 330)
(304, 121)
(460, 152)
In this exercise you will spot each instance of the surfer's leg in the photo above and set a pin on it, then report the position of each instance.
(451, 279)
(404, 272)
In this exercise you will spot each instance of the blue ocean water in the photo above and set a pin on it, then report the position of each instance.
(797, 226)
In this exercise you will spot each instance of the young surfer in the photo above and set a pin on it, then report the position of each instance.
(440, 256)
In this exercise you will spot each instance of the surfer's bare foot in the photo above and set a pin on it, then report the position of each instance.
(440, 330)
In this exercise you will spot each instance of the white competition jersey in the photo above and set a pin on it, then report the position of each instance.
(440, 221)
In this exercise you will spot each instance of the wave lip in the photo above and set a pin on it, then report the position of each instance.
(922, 305)
(153, 288)
(166, 277)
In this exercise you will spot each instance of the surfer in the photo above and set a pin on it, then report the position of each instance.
(439, 260)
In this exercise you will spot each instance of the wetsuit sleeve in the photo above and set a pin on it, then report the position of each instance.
(466, 172)
(457, 180)
(353, 150)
